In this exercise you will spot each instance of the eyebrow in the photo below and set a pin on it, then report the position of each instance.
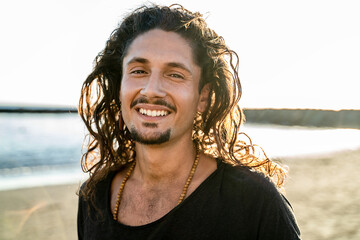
(178, 65)
(137, 60)
(170, 64)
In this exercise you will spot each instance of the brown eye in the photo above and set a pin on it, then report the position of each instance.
(174, 75)
(138, 72)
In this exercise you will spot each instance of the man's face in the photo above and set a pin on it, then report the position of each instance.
(159, 90)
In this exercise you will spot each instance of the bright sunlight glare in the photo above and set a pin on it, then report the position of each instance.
(293, 54)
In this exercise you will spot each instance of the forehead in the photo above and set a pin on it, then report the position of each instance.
(160, 46)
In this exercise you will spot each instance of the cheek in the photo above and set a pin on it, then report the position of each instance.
(125, 98)
(188, 99)
(126, 88)
(121, 94)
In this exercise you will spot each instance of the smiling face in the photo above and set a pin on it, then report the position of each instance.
(160, 88)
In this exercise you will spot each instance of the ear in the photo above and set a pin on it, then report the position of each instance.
(204, 97)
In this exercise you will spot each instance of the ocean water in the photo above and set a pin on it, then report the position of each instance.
(35, 140)
(285, 141)
(45, 149)
(40, 149)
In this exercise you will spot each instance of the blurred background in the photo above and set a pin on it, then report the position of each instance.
(299, 68)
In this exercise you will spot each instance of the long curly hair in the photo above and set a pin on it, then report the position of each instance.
(109, 147)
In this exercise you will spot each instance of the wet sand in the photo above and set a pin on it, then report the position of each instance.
(325, 194)
(323, 190)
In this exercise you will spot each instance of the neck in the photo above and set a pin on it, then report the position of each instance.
(164, 163)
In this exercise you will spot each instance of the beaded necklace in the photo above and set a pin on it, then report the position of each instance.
(131, 169)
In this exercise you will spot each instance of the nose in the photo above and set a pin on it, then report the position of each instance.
(153, 87)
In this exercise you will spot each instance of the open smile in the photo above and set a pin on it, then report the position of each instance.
(153, 113)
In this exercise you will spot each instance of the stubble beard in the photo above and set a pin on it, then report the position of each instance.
(156, 139)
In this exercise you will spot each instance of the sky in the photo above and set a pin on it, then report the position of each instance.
(293, 54)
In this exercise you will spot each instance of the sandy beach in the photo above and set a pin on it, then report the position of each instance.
(323, 190)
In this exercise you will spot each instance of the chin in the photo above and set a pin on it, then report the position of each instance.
(156, 139)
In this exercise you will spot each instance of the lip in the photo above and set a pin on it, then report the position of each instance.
(152, 107)
(157, 104)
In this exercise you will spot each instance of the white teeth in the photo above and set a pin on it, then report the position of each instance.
(153, 113)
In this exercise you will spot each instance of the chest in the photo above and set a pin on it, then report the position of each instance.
(139, 207)
(198, 217)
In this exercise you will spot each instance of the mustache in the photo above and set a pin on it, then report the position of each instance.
(159, 102)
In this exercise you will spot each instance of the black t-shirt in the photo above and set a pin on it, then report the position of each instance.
(232, 203)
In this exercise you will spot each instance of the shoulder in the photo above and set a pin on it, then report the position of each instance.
(242, 185)
(245, 179)
(260, 200)
(93, 197)
(98, 186)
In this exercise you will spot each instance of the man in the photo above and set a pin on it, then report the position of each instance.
(165, 154)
